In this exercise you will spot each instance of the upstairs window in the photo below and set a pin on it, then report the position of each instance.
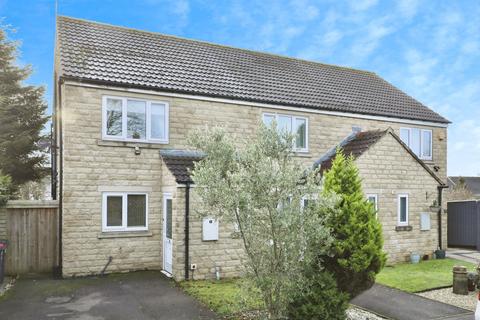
(419, 141)
(293, 125)
(135, 120)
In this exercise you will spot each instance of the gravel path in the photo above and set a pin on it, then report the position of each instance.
(446, 296)
(354, 313)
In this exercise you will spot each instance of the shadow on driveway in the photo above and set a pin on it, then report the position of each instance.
(395, 304)
(137, 295)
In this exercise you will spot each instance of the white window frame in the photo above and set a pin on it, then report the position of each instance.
(294, 119)
(421, 141)
(124, 226)
(375, 196)
(307, 198)
(123, 137)
(402, 223)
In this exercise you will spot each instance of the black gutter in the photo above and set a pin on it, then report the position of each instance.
(439, 214)
(187, 229)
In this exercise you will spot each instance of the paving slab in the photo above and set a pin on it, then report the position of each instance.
(395, 304)
(138, 295)
(468, 255)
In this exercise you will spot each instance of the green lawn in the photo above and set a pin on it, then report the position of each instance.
(227, 298)
(423, 276)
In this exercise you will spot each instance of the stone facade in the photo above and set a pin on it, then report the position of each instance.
(92, 166)
(388, 170)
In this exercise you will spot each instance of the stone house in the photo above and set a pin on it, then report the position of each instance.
(126, 100)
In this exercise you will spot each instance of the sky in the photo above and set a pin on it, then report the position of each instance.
(428, 48)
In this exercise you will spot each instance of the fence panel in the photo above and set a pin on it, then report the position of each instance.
(32, 232)
(463, 223)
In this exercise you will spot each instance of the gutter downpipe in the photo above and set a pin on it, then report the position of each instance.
(187, 229)
(439, 214)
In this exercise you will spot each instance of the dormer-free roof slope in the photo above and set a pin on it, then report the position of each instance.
(358, 143)
(100, 53)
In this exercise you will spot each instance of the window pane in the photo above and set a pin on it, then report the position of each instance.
(404, 135)
(403, 209)
(157, 117)
(301, 131)
(136, 211)
(114, 117)
(168, 223)
(268, 119)
(136, 119)
(427, 144)
(415, 141)
(373, 200)
(114, 211)
(285, 123)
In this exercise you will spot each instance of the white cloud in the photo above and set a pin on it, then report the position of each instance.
(408, 8)
(304, 9)
(181, 7)
(362, 5)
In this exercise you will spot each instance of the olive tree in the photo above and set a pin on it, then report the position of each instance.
(260, 187)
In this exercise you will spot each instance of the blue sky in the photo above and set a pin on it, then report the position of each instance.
(429, 49)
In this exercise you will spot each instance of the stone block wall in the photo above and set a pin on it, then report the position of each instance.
(389, 170)
(225, 253)
(92, 166)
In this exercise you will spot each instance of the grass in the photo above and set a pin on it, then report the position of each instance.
(225, 297)
(422, 276)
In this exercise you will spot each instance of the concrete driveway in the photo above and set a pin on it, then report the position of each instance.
(139, 295)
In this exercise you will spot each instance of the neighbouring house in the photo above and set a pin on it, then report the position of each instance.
(126, 100)
(463, 188)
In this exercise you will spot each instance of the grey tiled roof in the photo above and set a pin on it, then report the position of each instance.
(472, 183)
(359, 142)
(107, 54)
(355, 145)
(180, 163)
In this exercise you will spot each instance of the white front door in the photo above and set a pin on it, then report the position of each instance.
(167, 233)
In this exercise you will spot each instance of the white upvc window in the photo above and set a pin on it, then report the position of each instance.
(292, 124)
(124, 211)
(419, 141)
(402, 209)
(373, 198)
(132, 119)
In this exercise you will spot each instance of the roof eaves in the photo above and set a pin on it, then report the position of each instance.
(126, 85)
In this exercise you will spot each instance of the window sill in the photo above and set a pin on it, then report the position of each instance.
(124, 234)
(403, 228)
(302, 154)
(130, 144)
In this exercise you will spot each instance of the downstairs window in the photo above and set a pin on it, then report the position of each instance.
(123, 211)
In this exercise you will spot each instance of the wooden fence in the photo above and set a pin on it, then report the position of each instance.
(31, 227)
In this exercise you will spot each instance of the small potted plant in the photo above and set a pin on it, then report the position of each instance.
(434, 207)
(136, 135)
(414, 257)
(440, 253)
